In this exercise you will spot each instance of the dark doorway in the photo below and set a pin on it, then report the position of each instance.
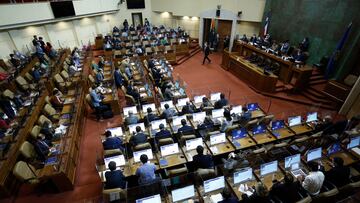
(223, 29)
(137, 19)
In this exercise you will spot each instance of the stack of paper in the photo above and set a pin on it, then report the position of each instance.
(216, 198)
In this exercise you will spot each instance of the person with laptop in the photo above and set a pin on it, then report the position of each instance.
(168, 112)
(286, 190)
(187, 109)
(139, 138)
(163, 133)
(222, 102)
(246, 114)
(206, 126)
(260, 194)
(149, 117)
(339, 175)
(131, 119)
(313, 182)
(112, 142)
(146, 172)
(227, 197)
(114, 178)
(227, 122)
(205, 103)
(185, 128)
(201, 161)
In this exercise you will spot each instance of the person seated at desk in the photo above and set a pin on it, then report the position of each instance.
(207, 124)
(286, 190)
(227, 122)
(187, 109)
(47, 131)
(339, 175)
(299, 57)
(260, 194)
(112, 142)
(114, 178)
(304, 45)
(168, 93)
(222, 102)
(313, 182)
(36, 73)
(101, 63)
(96, 100)
(244, 38)
(139, 137)
(235, 162)
(285, 47)
(42, 149)
(185, 129)
(253, 38)
(168, 112)
(146, 172)
(131, 119)
(163, 133)
(259, 41)
(56, 99)
(246, 114)
(99, 77)
(95, 66)
(119, 81)
(205, 103)
(133, 91)
(150, 116)
(201, 161)
(227, 197)
(324, 125)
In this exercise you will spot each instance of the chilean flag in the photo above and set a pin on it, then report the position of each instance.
(267, 22)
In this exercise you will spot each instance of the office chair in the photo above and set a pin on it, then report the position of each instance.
(327, 193)
(266, 119)
(128, 98)
(9, 94)
(260, 60)
(115, 194)
(51, 112)
(165, 141)
(142, 146)
(61, 82)
(29, 77)
(35, 131)
(179, 171)
(251, 124)
(26, 173)
(42, 119)
(112, 152)
(27, 150)
(23, 84)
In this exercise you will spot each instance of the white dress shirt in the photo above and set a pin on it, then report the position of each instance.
(313, 182)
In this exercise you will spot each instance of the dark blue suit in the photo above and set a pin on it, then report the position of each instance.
(246, 116)
(203, 161)
(139, 138)
(42, 150)
(221, 103)
(112, 143)
(115, 179)
(150, 117)
(118, 79)
(162, 134)
(185, 129)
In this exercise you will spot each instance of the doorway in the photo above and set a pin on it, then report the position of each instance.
(137, 19)
(223, 29)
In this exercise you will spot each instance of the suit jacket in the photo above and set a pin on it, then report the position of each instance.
(203, 161)
(99, 77)
(118, 79)
(150, 117)
(207, 50)
(187, 109)
(286, 192)
(133, 119)
(139, 138)
(221, 103)
(340, 176)
(162, 134)
(112, 143)
(41, 149)
(168, 113)
(114, 179)
(185, 129)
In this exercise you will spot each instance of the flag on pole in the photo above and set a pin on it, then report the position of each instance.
(334, 56)
(267, 23)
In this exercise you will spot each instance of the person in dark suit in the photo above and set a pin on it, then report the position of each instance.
(41, 148)
(187, 109)
(168, 112)
(112, 142)
(339, 175)
(286, 190)
(260, 194)
(133, 91)
(222, 102)
(47, 131)
(206, 52)
(150, 116)
(99, 77)
(227, 197)
(246, 114)
(114, 178)
(184, 129)
(163, 133)
(202, 161)
(139, 137)
(118, 78)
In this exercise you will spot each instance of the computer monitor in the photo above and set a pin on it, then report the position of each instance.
(312, 116)
(243, 175)
(130, 108)
(155, 124)
(146, 106)
(182, 101)
(313, 154)
(118, 159)
(239, 133)
(199, 117)
(198, 99)
(215, 96)
(294, 120)
(336, 147)
(291, 160)
(268, 168)
(116, 131)
(137, 154)
(214, 184)
(177, 84)
(258, 129)
(217, 113)
(253, 106)
(170, 103)
(354, 142)
(177, 120)
(217, 139)
(193, 143)
(132, 127)
(183, 193)
(236, 109)
(151, 199)
(169, 149)
(278, 124)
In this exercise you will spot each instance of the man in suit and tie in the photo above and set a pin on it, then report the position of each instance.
(41, 148)
(187, 109)
(185, 129)
(139, 137)
(118, 78)
(202, 161)
(149, 117)
(114, 178)
(168, 112)
(112, 142)
(222, 102)
(206, 52)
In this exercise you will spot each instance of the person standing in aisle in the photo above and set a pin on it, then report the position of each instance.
(206, 52)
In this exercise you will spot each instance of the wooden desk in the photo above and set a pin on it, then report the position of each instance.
(206, 198)
(257, 114)
(235, 187)
(301, 129)
(263, 138)
(282, 133)
(244, 142)
(267, 180)
(347, 157)
(173, 160)
(133, 166)
(113, 101)
(252, 75)
(221, 148)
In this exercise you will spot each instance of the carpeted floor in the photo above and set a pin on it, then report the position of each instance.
(199, 79)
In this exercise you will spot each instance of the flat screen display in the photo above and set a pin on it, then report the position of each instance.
(62, 9)
(135, 4)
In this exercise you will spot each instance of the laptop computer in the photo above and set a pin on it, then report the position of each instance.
(294, 121)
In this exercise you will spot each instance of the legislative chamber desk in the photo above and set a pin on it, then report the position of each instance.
(235, 187)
